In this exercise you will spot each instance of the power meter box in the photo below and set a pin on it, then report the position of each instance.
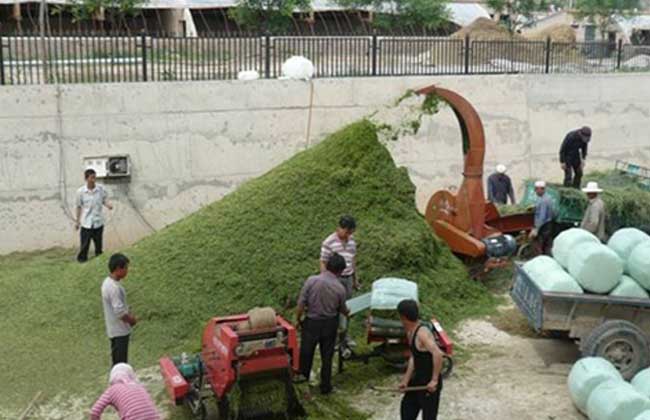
(118, 166)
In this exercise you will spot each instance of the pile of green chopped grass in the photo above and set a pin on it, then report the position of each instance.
(255, 247)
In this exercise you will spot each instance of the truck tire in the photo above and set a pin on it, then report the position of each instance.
(620, 342)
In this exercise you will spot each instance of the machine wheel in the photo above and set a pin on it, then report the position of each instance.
(620, 342)
(447, 366)
(526, 252)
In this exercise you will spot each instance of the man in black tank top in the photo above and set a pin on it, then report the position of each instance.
(423, 368)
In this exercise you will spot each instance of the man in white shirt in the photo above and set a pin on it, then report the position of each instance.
(91, 198)
(119, 319)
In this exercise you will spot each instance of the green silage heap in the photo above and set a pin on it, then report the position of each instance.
(255, 247)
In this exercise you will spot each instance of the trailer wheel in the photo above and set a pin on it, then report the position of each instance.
(620, 342)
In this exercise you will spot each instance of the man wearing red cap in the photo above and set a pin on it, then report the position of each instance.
(573, 154)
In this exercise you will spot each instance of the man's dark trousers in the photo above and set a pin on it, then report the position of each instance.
(87, 235)
(420, 401)
(569, 179)
(321, 332)
(120, 349)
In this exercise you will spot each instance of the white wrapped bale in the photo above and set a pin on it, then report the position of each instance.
(641, 382)
(643, 416)
(629, 288)
(586, 374)
(639, 264)
(623, 242)
(569, 240)
(595, 267)
(616, 400)
(539, 265)
(298, 68)
(558, 281)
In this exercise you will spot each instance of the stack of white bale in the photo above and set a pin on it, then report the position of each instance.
(599, 391)
(581, 263)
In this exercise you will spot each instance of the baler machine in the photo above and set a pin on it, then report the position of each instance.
(257, 363)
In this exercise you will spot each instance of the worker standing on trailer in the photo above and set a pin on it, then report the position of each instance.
(119, 319)
(91, 198)
(323, 298)
(499, 186)
(544, 215)
(594, 218)
(423, 369)
(573, 155)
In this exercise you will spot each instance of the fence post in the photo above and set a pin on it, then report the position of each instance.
(374, 54)
(466, 54)
(548, 55)
(143, 41)
(619, 54)
(267, 55)
(2, 62)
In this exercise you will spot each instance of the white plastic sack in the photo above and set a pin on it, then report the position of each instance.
(586, 374)
(297, 67)
(616, 400)
(388, 292)
(639, 264)
(596, 267)
(569, 240)
(641, 382)
(248, 75)
(623, 242)
(629, 288)
(539, 265)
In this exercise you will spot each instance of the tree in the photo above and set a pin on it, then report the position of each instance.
(427, 14)
(117, 10)
(603, 13)
(267, 15)
(517, 11)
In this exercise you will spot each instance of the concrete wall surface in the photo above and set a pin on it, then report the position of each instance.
(193, 142)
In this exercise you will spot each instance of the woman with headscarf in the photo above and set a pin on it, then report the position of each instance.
(129, 398)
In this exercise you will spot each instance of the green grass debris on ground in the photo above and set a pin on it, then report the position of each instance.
(255, 247)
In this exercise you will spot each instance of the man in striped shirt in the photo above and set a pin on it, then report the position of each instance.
(342, 242)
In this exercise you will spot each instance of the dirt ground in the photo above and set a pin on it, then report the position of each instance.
(508, 377)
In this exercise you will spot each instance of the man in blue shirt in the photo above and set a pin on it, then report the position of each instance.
(544, 214)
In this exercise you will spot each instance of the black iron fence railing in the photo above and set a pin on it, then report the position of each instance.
(31, 59)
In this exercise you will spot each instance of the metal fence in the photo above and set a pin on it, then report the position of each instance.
(92, 59)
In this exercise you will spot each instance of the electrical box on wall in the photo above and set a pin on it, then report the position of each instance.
(109, 166)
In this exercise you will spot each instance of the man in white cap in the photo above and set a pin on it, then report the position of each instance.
(594, 218)
(544, 214)
(499, 186)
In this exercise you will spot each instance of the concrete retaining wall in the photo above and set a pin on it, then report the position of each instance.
(192, 142)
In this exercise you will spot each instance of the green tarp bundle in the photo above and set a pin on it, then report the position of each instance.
(586, 374)
(595, 267)
(629, 288)
(639, 264)
(616, 399)
(569, 240)
(623, 242)
(549, 276)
